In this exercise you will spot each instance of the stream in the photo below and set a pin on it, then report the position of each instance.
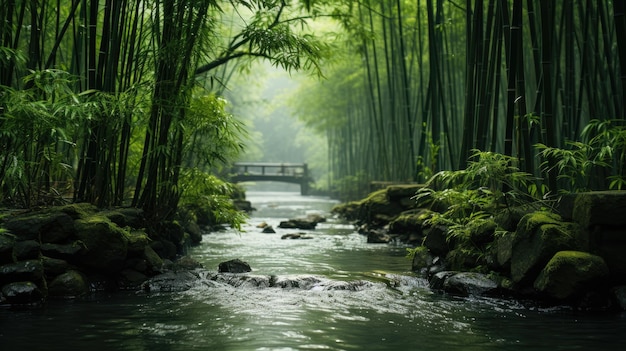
(397, 311)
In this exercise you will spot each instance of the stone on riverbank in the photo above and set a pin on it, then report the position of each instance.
(18, 293)
(570, 274)
(106, 244)
(70, 284)
(234, 266)
(538, 237)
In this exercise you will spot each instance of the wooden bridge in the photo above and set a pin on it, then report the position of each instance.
(296, 173)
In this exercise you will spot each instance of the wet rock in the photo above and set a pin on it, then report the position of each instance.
(438, 280)
(469, 284)
(106, 244)
(131, 279)
(569, 274)
(296, 236)
(244, 281)
(30, 270)
(172, 282)
(304, 282)
(234, 266)
(243, 205)
(69, 284)
(378, 237)
(356, 285)
(153, 260)
(298, 224)
(23, 292)
(268, 230)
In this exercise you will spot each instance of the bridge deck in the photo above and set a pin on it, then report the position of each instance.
(279, 172)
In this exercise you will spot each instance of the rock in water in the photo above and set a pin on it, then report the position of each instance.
(234, 266)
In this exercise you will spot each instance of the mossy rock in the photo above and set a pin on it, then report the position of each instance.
(27, 250)
(106, 244)
(78, 210)
(538, 237)
(605, 208)
(50, 226)
(70, 284)
(137, 241)
(154, 261)
(436, 240)
(569, 274)
(410, 222)
(483, 233)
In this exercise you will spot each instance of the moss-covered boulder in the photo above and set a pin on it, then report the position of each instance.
(106, 244)
(569, 274)
(47, 226)
(411, 223)
(69, 284)
(538, 237)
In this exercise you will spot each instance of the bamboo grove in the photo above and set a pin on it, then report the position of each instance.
(114, 101)
(541, 81)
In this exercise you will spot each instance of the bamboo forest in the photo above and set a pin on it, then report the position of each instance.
(458, 166)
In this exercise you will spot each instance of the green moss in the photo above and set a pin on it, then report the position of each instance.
(531, 222)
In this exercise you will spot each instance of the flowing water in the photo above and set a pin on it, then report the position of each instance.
(396, 311)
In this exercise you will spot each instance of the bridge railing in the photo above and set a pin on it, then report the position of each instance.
(274, 169)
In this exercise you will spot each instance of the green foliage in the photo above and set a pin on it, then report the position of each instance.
(351, 187)
(596, 162)
(207, 191)
(469, 199)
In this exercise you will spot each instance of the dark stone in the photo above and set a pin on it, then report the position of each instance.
(27, 250)
(234, 266)
(438, 279)
(268, 230)
(296, 236)
(483, 233)
(66, 251)
(69, 284)
(172, 282)
(620, 296)
(54, 266)
(600, 208)
(165, 249)
(298, 224)
(23, 292)
(155, 263)
(377, 237)
(243, 205)
(195, 234)
(469, 284)
(48, 226)
(410, 223)
(131, 279)
(436, 240)
(31, 270)
(7, 242)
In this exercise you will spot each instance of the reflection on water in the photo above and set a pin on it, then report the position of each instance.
(215, 316)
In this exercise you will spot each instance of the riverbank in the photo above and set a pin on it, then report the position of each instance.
(571, 253)
(73, 250)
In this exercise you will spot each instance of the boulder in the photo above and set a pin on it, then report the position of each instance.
(194, 231)
(54, 266)
(469, 284)
(504, 250)
(410, 222)
(154, 262)
(63, 251)
(436, 240)
(298, 223)
(18, 293)
(106, 244)
(30, 270)
(377, 237)
(620, 296)
(268, 229)
(570, 274)
(137, 242)
(538, 237)
(49, 226)
(234, 266)
(69, 284)
(131, 279)
(7, 242)
(26, 250)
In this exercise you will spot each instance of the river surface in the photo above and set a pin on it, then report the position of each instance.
(401, 315)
